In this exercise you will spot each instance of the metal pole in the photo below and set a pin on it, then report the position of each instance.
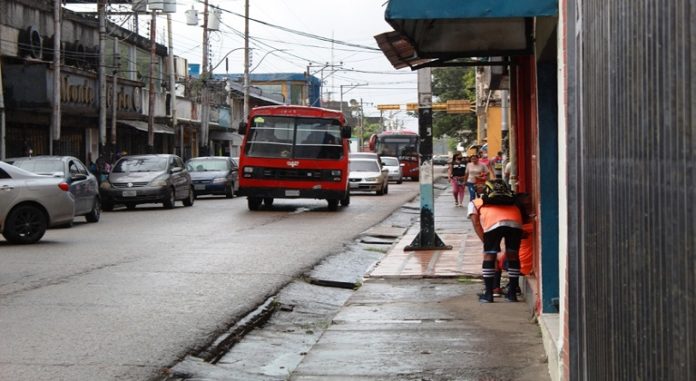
(151, 100)
(101, 10)
(172, 83)
(513, 130)
(246, 59)
(114, 93)
(426, 239)
(55, 112)
(203, 141)
(3, 152)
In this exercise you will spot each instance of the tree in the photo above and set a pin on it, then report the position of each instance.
(454, 83)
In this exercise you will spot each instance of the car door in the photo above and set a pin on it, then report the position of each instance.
(79, 186)
(9, 190)
(180, 178)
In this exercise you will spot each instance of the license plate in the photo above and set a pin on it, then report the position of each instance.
(292, 193)
(199, 187)
(129, 193)
(354, 185)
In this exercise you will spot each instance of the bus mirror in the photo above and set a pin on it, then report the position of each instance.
(242, 128)
(346, 132)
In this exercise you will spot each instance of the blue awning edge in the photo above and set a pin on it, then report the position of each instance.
(468, 9)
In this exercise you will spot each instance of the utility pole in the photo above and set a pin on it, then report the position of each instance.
(3, 146)
(351, 87)
(114, 92)
(205, 103)
(246, 60)
(172, 85)
(151, 99)
(101, 11)
(55, 112)
(427, 238)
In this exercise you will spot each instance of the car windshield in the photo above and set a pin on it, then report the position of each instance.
(141, 164)
(290, 137)
(41, 167)
(390, 161)
(364, 166)
(206, 165)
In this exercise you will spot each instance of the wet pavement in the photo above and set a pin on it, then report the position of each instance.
(377, 312)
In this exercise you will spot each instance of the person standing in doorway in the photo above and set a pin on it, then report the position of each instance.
(475, 173)
(456, 173)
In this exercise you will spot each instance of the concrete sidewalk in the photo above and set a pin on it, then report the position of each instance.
(415, 316)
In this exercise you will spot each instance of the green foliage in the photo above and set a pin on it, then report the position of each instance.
(449, 84)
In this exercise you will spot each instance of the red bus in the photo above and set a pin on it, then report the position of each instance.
(294, 152)
(401, 144)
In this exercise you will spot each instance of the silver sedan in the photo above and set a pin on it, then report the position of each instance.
(30, 203)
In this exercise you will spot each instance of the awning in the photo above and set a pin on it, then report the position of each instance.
(444, 30)
(142, 126)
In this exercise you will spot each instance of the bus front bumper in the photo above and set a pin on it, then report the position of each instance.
(261, 192)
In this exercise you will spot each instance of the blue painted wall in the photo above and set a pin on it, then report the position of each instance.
(548, 165)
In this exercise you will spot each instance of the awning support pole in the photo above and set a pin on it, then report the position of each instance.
(426, 239)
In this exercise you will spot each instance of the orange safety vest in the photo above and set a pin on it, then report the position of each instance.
(493, 216)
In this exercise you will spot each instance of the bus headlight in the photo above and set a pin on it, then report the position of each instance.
(248, 172)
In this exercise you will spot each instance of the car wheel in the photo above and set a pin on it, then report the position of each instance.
(346, 201)
(399, 181)
(229, 192)
(268, 202)
(95, 213)
(130, 205)
(254, 203)
(333, 205)
(25, 224)
(170, 200)
(188, 201)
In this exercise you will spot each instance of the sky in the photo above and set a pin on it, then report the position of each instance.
(353, 57)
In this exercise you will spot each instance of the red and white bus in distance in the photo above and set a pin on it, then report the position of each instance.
(401, 144)
(294, 152)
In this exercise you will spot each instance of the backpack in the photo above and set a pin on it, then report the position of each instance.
(497, 192)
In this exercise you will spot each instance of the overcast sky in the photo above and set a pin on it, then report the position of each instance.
(318, 22)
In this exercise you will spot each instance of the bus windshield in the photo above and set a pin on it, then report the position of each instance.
(290, 137)
(399, 146)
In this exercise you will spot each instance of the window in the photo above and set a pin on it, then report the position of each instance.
(301, 138)
(4, 175)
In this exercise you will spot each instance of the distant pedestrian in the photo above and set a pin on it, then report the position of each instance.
(475, 173)
(456, 173)
(493, 223)
(495, 165)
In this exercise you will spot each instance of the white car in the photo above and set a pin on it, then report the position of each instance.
(368, 175)
(393, 165)
(31, 203)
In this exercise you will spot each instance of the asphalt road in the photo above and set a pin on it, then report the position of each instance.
(132, 294)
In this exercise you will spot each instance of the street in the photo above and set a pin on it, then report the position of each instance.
(130, 295)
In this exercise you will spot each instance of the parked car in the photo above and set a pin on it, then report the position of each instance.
(393, 165)
(441, 159)
(83, 185)
(142, 179)
(368, 175)
(213, 175)
(363, 155)
(31, 203)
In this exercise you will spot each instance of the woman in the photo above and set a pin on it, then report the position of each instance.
(475, 173)
(456, 172)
